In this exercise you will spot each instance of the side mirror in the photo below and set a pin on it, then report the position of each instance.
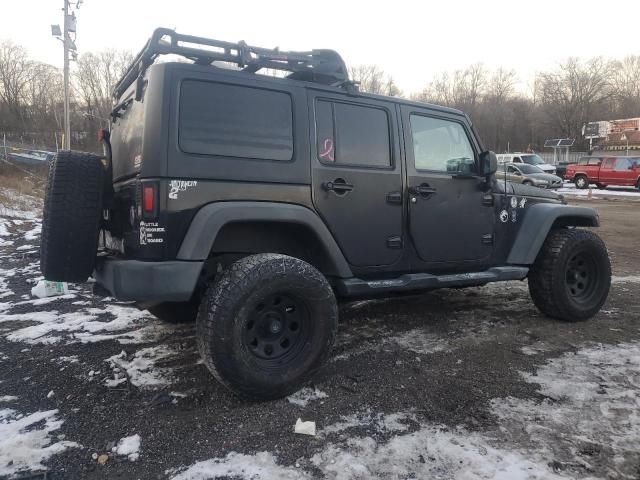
(488, 163)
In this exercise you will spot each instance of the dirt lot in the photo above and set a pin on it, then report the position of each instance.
(469, 383)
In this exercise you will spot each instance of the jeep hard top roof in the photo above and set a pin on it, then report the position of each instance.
(324, 68)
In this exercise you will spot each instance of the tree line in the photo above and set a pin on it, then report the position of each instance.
(556, 105)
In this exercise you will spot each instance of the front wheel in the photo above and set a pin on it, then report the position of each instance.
(571, 276)
(528, 182)
(581, 182)
(266, 325)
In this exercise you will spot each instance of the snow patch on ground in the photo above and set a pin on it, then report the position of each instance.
(25, 441)
(261, 466)
(592, 408)
(418, 341)
(306, 395)
(569, 189)
(431, 452)
(8, 398)
(83, 325)
(625, 279)
(379, 423)
(34, 233)
(143, 367)
(129, 447)
(5, 291)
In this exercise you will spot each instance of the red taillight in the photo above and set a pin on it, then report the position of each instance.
(148, 198)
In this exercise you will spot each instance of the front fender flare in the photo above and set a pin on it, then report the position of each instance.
(211, 218)
(539, 220)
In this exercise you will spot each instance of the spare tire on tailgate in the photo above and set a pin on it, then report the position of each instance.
(72, 215)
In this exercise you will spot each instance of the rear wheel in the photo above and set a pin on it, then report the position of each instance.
(72, 216)
(571, 276)
(581, 182)
(266, 325)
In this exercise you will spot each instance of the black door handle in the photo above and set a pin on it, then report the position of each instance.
(423, 190)
(337, 186)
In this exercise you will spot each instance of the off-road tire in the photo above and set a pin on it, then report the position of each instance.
(553, 275)
(175, 312)
(71, 217)
(237, 298)
(581, 182)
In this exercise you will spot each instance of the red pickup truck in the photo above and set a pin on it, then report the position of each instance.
(605, 171)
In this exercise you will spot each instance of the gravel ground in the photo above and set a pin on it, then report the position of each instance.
(472, 383)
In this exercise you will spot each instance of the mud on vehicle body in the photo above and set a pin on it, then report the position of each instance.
(255, 203)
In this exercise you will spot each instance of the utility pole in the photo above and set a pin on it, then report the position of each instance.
(66, 140)
(68, 47)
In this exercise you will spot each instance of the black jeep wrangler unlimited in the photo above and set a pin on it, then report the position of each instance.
(254, 202)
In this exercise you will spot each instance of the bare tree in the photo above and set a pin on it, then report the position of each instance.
(15, 71)
(572, 93)
(626, 86)
(373, 79)
(95, 78)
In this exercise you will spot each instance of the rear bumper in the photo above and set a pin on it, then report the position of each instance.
(172, 281)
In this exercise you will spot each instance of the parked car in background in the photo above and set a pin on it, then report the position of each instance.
(605, 171)
(528, 175)
(561, 168)
(527, 158)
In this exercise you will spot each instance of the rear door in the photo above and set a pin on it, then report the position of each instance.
(623, 173)
(356, 176)
(451, 217)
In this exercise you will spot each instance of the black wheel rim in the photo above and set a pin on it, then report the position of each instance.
(276, 329)
(581, 277)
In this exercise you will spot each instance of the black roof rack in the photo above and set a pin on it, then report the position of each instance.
(321, 66)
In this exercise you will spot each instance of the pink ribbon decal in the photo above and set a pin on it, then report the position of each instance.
(328, 150)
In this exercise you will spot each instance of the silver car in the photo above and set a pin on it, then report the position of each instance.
(530, 175)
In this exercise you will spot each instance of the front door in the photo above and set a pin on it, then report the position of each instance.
(451, 217)
(356, 175)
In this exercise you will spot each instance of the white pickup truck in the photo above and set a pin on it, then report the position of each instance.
(529, 158)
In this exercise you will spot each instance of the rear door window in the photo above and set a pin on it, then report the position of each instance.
(235, 121)
(350, 134)
(623, 165)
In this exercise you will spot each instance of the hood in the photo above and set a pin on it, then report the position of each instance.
(530, 191)
(545, 176)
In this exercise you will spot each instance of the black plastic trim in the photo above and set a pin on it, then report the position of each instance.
(211, 218)
(352, 287)
(172, 281)
(538, 221)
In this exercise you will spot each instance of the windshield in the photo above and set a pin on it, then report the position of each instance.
(529, 169)
(532, 160)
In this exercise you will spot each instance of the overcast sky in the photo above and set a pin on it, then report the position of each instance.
(412, 40)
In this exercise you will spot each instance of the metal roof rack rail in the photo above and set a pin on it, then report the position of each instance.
(320, 66)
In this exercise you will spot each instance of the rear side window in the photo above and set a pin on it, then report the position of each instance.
(234, 121)
(623, 164)
(350, 134)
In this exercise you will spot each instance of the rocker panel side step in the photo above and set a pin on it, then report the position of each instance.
(424, 281)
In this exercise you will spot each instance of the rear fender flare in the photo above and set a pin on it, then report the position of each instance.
(539, 220)
(206, 224)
